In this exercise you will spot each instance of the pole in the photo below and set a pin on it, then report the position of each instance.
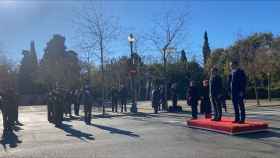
(269, 87)
(102, 71)
(165, 103)
(134, 106)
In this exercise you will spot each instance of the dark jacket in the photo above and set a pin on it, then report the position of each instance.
(237, 82)
(156, 97)
(216, 86)
(87, 97)
(123, 94)
(193, 96)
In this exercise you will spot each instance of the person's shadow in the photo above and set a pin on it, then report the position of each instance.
(116, 130)
(76, 133)
(10, 139)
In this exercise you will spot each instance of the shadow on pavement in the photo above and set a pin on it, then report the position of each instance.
(116, 130)
(10, 139)
(139, 114)
(261, 135)
(76, 133)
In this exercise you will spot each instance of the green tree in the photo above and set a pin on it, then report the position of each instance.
(206, 48)
(28, 71)
(59, 66)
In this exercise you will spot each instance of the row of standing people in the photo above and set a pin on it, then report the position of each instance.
(9, 108)
(60, 101)
(119, 97)
(213, 94)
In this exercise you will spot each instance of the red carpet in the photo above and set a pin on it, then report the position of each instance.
(226, 126)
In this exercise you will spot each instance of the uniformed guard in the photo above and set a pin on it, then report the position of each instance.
(156, 99)
(6, 96)
(123, 98)
(50, 106)
(4, 110)
(87, 98)
(58, 107)
(114, 95)
(77, 99)
(68, 103)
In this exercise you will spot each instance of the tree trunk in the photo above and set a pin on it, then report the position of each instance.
(102, 71)
(165, 103)
(269, 87)
(256, 91)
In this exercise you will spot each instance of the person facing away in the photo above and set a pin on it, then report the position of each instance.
(156, 99)
(76, 99)
(237, 84)
(7, 124)
(205, 99)
(50, 106)
(58, 106)
(174, 94)
(216, 93)
(87, 98)
(123, 98)
(114, 95)
(192, 99)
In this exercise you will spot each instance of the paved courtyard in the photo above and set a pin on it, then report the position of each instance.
(137, 135)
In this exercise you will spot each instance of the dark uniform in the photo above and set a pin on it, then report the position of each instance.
(156, 100)
(114, 94)
(123, 98)
(50, 106)
(174, 95)
(216, 93)
(58, 107)
(205, 100)
(4, 109)
(68, 100)
(76, 101)
(192, 99)
(7, 109)
(87, 99)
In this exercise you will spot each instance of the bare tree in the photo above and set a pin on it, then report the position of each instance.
(168, 33)
(97, 31)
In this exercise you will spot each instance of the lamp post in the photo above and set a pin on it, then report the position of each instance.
(131, 39)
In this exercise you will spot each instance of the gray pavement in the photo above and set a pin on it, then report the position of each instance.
(136, 136)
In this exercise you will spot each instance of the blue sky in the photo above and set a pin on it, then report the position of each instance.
(23, 21)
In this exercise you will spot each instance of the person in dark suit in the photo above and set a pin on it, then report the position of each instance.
(216, 94)
(205, 99)
(237, 84)
(192, 99)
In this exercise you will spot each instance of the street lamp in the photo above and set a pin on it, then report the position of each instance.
(131, 39)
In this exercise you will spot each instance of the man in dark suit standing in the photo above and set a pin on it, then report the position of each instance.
(192, 99)
(216, 87)
(237, 83)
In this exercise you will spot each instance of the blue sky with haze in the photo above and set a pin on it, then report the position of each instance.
(23, 21)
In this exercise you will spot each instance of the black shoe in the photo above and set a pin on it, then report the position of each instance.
(241, 122)
(235, 121)
(218, 119)
(214, 119)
